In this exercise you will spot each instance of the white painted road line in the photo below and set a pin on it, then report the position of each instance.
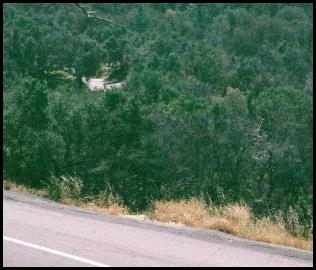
(56, 252)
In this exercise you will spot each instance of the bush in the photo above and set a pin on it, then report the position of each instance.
(64, 187)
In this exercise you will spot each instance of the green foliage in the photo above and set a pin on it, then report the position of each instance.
(217, 100)
(64, 187)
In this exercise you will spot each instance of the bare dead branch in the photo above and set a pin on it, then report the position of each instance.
(82, 8)
(90, 15)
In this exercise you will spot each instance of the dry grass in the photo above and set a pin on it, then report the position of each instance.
(64, 188)
(235, 219)
(108, 203)
(69, 189)
(12, 186)
(115, 209)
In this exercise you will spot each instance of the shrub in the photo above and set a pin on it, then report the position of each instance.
(64, 187)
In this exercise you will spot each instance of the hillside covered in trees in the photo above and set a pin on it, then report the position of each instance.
(216, 102)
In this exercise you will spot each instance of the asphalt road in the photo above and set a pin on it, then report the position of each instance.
(38, 232)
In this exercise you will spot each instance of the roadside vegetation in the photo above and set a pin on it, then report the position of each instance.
(236, 219)
(215, 112)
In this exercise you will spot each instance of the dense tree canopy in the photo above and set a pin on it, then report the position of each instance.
(217, 100)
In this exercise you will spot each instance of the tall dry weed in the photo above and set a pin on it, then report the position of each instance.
(236, 219)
